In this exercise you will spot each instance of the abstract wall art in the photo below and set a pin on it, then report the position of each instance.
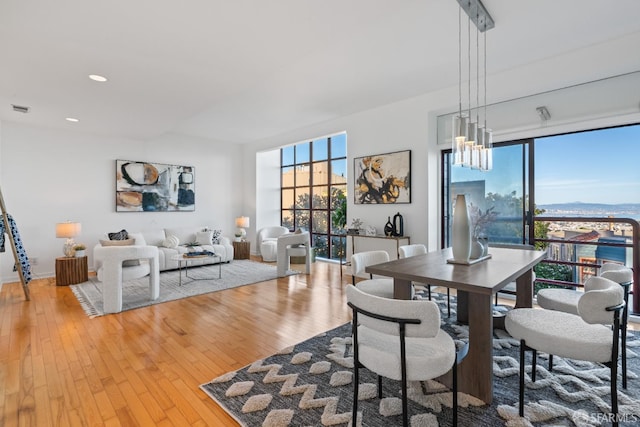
(154, 187)
(383, 178)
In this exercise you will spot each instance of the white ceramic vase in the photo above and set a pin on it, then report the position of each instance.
(461, 230)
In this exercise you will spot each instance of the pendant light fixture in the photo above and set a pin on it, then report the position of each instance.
(471, 142)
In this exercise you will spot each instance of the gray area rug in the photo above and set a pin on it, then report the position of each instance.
(309, 384)
(135, 293)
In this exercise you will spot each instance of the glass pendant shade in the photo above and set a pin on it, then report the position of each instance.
(487, 151)
(476, 155)
(459, 137)
(472, 134)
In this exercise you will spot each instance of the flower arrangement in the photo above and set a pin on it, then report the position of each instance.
(356, 223)
(79, 247)
(480, 220)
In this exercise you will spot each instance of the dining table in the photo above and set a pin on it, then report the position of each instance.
(475, 284)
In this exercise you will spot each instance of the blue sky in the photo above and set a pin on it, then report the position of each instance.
(597, 167)
(592, 167)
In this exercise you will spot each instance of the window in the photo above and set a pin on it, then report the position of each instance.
(313, 181)
(585, 174)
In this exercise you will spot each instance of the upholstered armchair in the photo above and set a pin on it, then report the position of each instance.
(117, 264)
(293, 244)
(267, 240)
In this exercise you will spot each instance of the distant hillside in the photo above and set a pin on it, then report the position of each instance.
(596, 209)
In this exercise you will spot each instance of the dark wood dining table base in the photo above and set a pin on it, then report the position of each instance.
(476, 311)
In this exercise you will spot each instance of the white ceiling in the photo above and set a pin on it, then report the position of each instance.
(243, 70)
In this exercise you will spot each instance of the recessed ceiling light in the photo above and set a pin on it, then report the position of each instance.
(97, 78)
(72, 119)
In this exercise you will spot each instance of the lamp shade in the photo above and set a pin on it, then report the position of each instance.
(68, 229)
(242, 222)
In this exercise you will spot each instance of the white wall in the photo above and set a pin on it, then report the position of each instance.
(412, 124)
(50, 176)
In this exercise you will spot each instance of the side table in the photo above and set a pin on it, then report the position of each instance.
(71, 270)
(241, 250)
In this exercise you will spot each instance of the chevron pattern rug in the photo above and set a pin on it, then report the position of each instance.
(310, 384)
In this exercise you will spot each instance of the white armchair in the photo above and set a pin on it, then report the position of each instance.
(267, 239)
(108, 262)
(293, 244)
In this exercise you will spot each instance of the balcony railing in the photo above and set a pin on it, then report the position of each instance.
(632, 242)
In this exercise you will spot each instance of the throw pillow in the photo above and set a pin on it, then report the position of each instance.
(171, 241)
(120, 235)
(216, 237)
(127, 242)
(139, 239)
(204, 237)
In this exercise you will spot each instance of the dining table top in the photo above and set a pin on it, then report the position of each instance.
(487, 277)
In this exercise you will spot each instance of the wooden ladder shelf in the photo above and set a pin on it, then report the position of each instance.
(5, 218)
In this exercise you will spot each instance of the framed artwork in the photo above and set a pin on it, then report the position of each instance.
(154, 187)
(383, 178)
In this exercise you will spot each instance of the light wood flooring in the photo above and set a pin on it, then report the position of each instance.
(143, 367)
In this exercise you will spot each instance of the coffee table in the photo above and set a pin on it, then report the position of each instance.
(183, 264)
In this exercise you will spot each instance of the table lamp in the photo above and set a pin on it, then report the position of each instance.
(242, 222)
(68, 230)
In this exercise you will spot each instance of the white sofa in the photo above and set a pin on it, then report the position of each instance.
(185, 235)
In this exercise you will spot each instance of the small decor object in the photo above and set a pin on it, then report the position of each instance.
(242, 222)
(398, 225)
(370, 230)
(356, 224)
(388, 227)
(68, 230)
(383, 178)
(154, 187)
(461, 230)
(79, 250)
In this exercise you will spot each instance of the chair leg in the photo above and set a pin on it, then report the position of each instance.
(534, 364)
(521, 382)
(354, 412)
(623, 331)
(379, 387)
(455, 392)
(614, 392)
(429, 292)
(550, 362)
(405, 416)
(448, 302)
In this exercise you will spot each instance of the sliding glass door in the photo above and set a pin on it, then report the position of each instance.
(498, 199)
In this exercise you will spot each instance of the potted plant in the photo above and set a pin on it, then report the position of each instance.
(79, 250)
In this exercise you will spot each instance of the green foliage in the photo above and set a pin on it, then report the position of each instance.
(339, 215)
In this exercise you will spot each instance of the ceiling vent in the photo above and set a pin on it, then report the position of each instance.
(20, 108)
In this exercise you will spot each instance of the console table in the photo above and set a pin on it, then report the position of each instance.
(391, 244)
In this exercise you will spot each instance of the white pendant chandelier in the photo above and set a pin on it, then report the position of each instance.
(472, 143)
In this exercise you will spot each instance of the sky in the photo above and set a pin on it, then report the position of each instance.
(600, 166)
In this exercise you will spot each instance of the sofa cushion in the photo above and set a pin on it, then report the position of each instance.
(216, 238)
(154, 237)
(186, 235)
(139, 239)
(170, 242)
(204, 237)
(119, 235)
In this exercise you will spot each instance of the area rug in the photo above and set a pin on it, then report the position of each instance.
(135, 293)
(310, 384)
